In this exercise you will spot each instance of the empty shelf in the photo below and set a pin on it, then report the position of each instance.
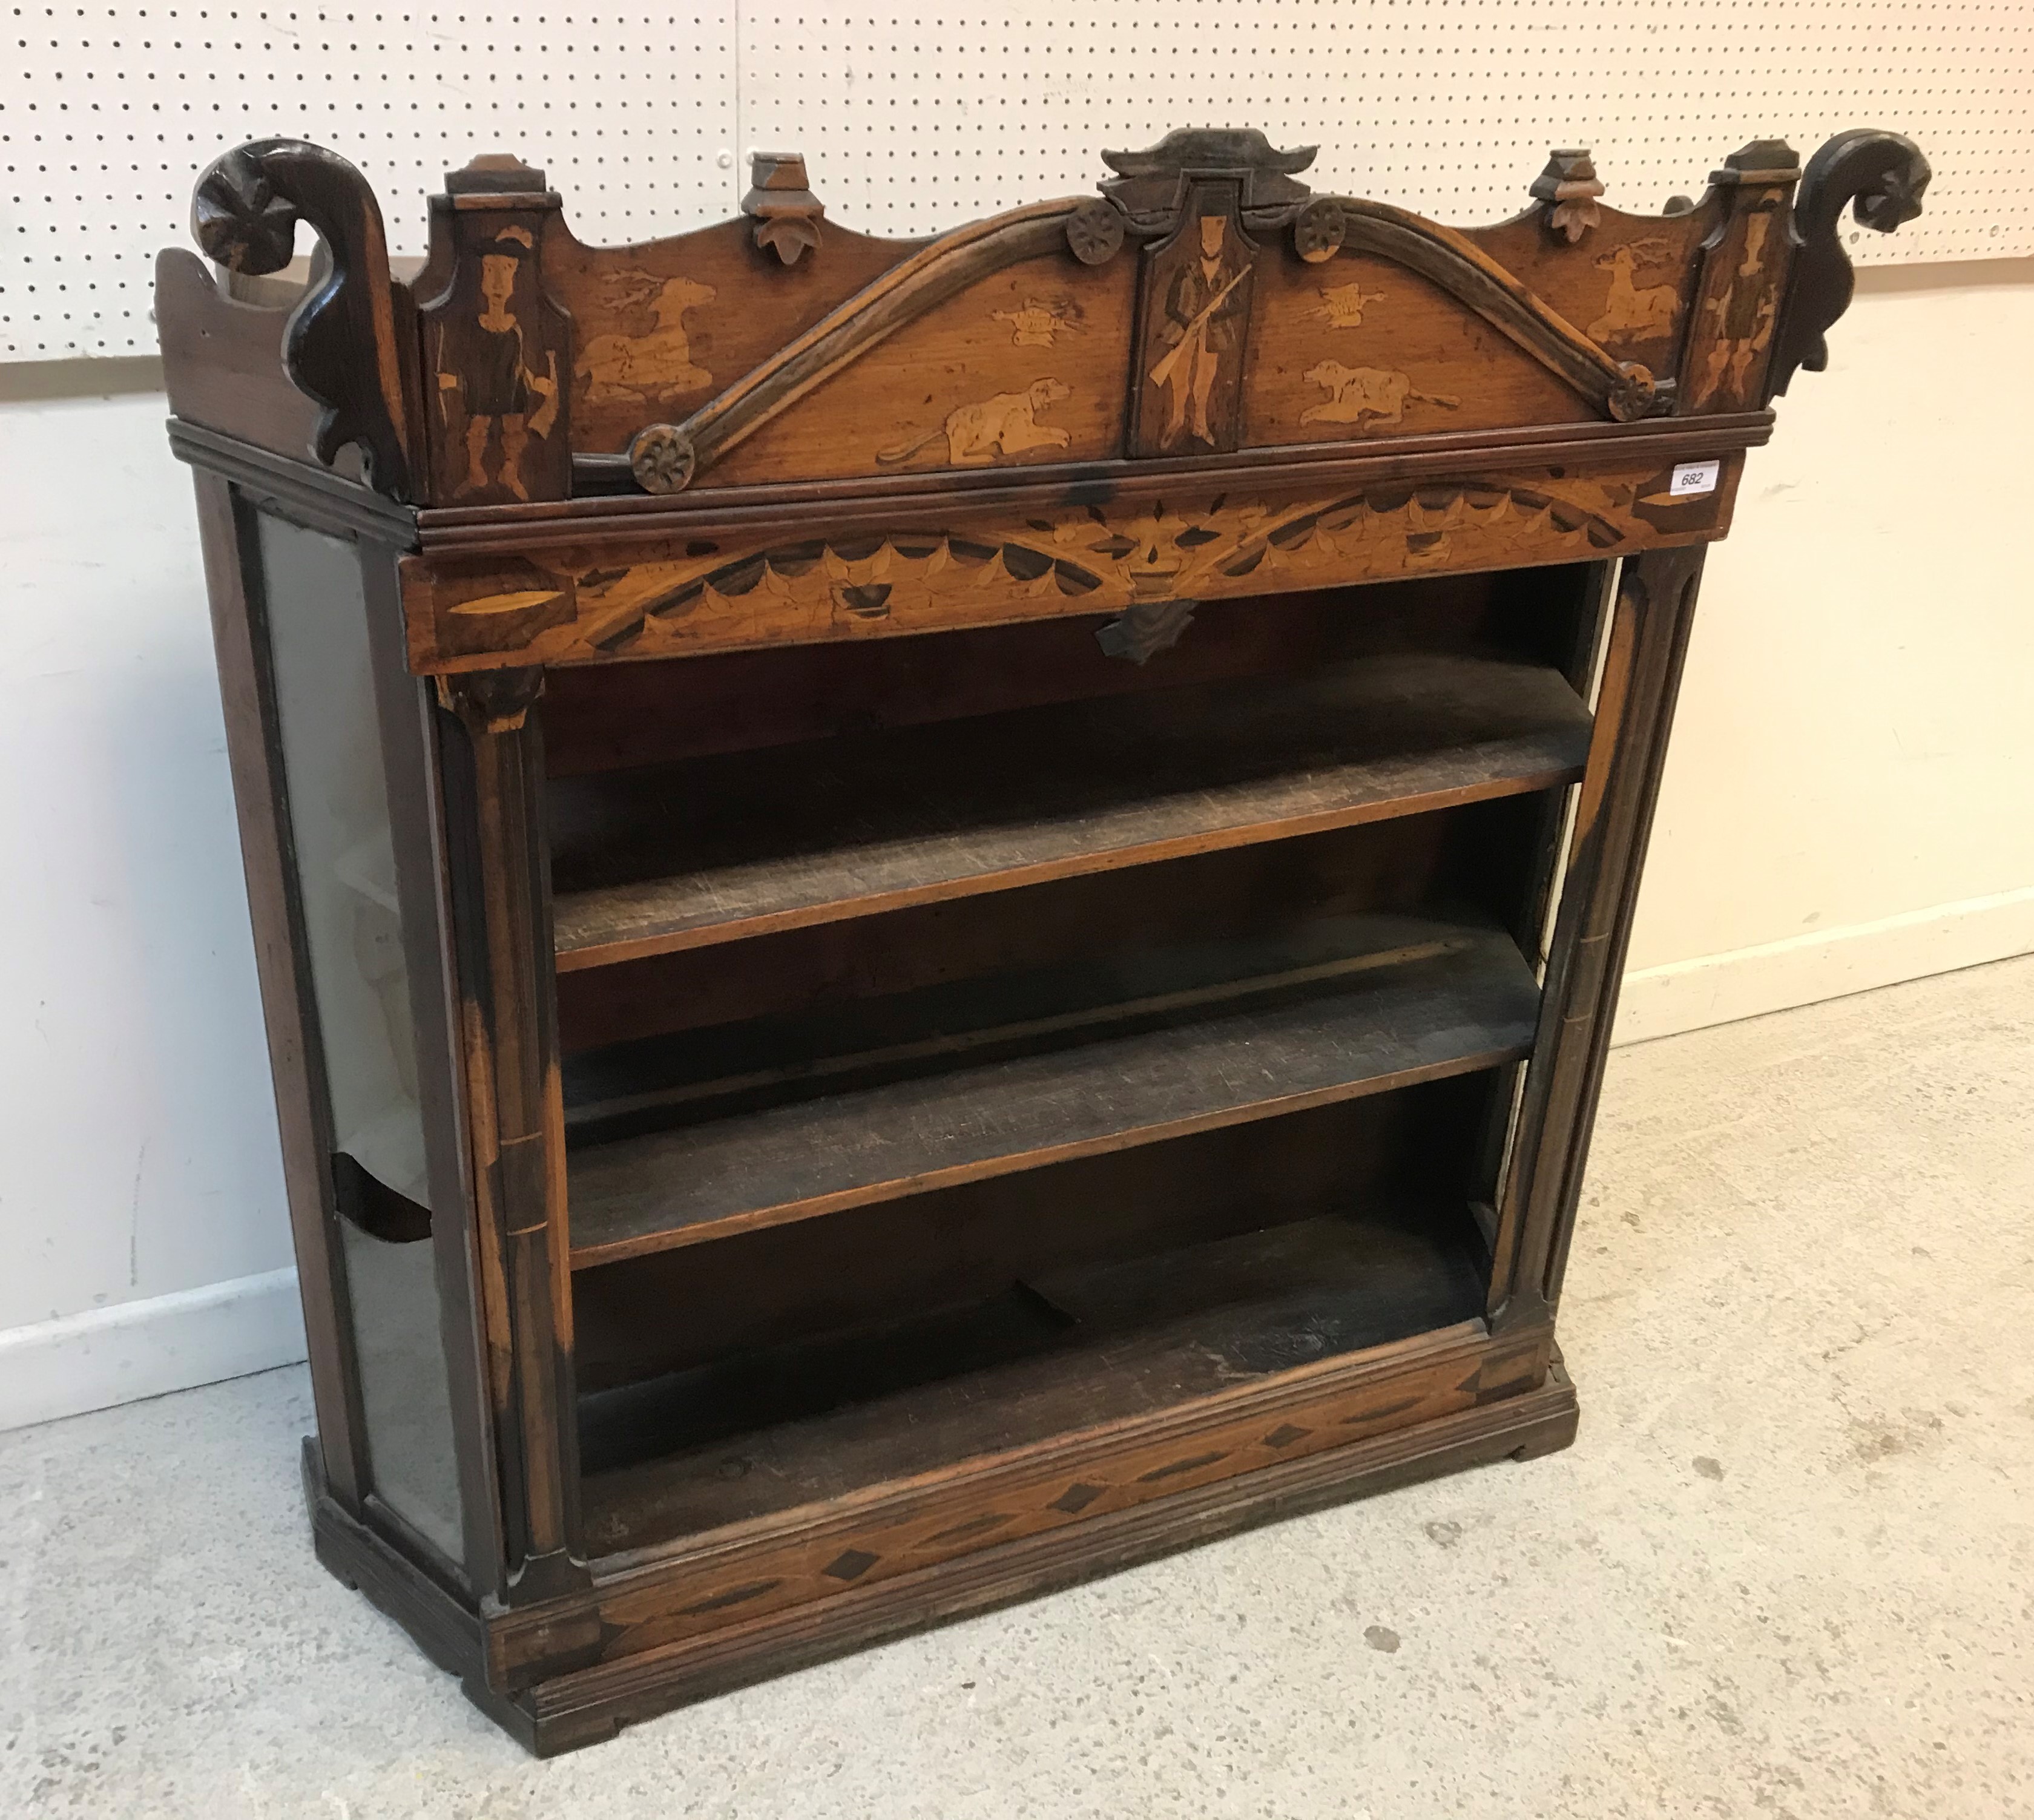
(662, 858)
(1460, 999)
(822, 1418)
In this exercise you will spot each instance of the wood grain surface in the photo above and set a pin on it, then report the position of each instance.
(1461, 1001)
(647, 861)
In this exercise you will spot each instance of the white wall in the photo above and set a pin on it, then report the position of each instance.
(1851, 800)
(139, 1167)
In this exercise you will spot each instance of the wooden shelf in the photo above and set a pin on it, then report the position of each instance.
(816, 1421)
(658, 858)
(1355, 1016)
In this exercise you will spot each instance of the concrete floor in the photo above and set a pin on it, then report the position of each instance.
(1787, 1571)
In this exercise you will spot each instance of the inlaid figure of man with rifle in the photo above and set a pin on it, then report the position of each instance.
(1202, 328)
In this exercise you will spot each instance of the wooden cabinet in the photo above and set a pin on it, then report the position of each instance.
(936, 914)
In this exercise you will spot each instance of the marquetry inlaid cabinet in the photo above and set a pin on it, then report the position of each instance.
(935, 914)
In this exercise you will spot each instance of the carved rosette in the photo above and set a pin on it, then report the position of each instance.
(1319, 229)
(1095, 233)
(662, 459)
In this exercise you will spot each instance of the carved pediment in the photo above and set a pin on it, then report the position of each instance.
(1205, 304)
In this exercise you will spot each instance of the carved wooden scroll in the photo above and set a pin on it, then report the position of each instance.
(348, 344)
(1884, 177)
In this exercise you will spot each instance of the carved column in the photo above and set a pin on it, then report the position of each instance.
(1642, 676)
(493, 781)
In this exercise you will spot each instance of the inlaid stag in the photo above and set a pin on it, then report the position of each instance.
(1630, 313)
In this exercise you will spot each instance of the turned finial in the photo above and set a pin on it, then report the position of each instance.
(1569, 188)
(786, 213)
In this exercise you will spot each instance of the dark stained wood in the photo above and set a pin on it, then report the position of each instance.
(781, 203)
(1613, 817)
(583, 1706)
(1036, 1048)
(609, 521)
(1194, 293)
(497, 361)
(1569, 187)
(587, 1700)
(492, 754)
(1739, 282)
(829, 1416)
(346, 345)
(773, 840)
(1082, 1477)
(903, 576)
(778, 1286)
(1883, 177)
(222, 360)
(611, 717)
(1469, 863)
(1459, 1001)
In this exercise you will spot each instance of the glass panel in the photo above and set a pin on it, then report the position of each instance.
(346, 873)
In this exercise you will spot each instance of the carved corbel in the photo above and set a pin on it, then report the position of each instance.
(787, 215)
(1883, 177)
(1567, 191)
(342, 347)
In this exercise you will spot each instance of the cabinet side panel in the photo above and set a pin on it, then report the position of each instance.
(232, 567)
(341, 847)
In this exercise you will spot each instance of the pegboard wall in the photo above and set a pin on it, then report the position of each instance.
(917, 117)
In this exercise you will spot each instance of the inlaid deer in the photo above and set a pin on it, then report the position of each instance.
(1630, 313)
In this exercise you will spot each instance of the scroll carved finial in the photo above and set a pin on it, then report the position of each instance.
(340, 348)
(1883, 177)
(786, 213)
(1568, 189)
